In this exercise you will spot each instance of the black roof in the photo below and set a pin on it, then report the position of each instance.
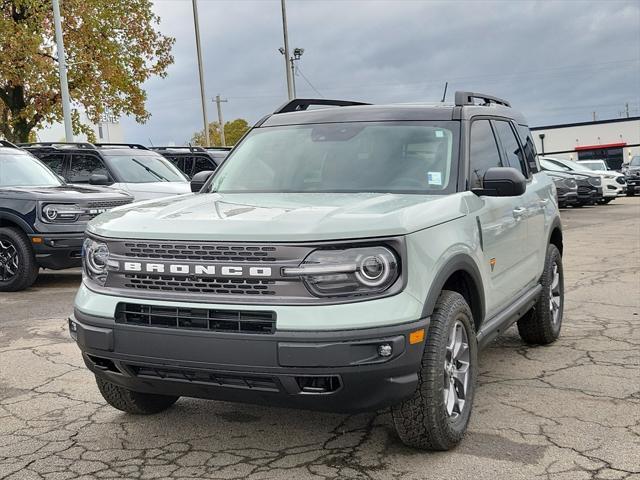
(297, 111)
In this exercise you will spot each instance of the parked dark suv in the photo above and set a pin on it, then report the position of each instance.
(632, 176)
(42, 219)
(191, 160)
(589, 185)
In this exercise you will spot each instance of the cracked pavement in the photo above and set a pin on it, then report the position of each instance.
(570, 410)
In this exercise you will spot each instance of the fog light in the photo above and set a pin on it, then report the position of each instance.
(385, 350)
(73, 329)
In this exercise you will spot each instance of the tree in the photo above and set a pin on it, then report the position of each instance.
(112, 48)
(233, 131)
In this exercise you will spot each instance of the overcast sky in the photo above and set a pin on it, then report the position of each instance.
(557, 61)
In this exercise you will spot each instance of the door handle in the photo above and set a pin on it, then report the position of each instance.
(519, 212)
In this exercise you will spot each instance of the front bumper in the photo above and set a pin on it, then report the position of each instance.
(633, 185)
(567, 198)
(339, 370)
(58, 251)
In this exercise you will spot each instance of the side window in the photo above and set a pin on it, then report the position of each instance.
(529, 147)
(83, 166)
(514, 154)
(180, 162)
(200, 164)
(55, 162)
(484, 152)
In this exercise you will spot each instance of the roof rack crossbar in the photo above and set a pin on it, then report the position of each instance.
(6, 143)
(116, 145)
(299, 104)
(191, 148)
(87, 145)
(466, 98)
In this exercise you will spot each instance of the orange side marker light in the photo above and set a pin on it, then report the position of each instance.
(416, 337)
(37, 240)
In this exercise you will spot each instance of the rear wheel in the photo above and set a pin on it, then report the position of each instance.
(541, 325)
(437, 415)
(132, 402)
(18, 267)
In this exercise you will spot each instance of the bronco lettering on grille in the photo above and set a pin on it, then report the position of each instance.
(197, 269)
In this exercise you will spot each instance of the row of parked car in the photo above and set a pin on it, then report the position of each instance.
(590, 182)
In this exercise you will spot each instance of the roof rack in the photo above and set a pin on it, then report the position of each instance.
(224, 149)
(87, 145)
(6, 143)
(136, 146)
(191, 148)
(299, 104)
(466, 98)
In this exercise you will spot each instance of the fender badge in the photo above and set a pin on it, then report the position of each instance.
(492, 262)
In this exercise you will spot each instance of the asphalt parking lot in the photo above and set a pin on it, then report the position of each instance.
(566, 411)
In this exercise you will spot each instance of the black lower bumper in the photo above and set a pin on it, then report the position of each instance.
(58, 252)
(567, 198)
(337, 371)
(633, 186)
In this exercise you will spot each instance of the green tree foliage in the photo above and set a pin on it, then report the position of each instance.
(112, 47)
(232, 132)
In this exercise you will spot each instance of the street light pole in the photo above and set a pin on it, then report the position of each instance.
(223, 141)
(205, 119)
(290, 91)
(62, 69)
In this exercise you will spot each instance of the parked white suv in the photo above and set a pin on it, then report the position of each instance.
(613, 183)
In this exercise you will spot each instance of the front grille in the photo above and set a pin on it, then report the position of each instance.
(230, 321)
(109, 203)
(249, 382)
(220, 286)
(201, 251)
(584, 190)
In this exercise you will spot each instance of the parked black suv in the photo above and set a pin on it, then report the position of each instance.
(42, 219)
(192, 160)
(632, 176)
(566, 188)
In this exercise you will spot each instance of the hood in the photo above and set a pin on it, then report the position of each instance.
(553, 173)
(279, 217)
(608, 173)
(67, 193)
(151, 190)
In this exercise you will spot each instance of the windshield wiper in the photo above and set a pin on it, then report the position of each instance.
(152, 172)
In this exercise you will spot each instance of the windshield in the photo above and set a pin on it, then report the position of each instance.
(554, 167)
(23, 170)
(575, 166)
(145, 169)
(596, 165)
(400, 157)
(635, 161)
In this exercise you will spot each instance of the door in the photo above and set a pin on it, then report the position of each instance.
(501, 221)
(532, 202)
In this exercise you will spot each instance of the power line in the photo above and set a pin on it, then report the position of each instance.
(307, 80)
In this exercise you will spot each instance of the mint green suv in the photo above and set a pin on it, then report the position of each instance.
(345, 258)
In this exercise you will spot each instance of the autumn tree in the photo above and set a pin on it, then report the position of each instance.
(233, 131)
(112, 47)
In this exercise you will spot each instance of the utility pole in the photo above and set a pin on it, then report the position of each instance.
(62, 69)
(297, 54)
(205, 119)
(626, 109)
(594, 116)
(220, 120)
(288, 71)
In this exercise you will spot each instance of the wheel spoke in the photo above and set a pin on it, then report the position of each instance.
(451, 398)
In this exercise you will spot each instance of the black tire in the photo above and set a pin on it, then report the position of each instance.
(16, 255)
(540, 326)
(579, 205)
(132, 402)
(605, 201)
(423, 421)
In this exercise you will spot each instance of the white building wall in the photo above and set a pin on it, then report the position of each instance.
(567, 138)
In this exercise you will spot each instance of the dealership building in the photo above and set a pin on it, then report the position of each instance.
(615, 140)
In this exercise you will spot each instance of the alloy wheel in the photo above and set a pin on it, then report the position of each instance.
(555, 296)
(456, 370)
(9, 260)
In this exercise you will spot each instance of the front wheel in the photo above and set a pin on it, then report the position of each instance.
(541, 325)
(132, 402)
(437, 415)
(18, 267)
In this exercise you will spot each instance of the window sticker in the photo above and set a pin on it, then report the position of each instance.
(434, 178)
(439, 133)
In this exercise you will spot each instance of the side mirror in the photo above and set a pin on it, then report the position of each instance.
(199, 179)
(502, 182)
(99, 179)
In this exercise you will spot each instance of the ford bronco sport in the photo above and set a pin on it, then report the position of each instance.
(345, 258)
(42, 219)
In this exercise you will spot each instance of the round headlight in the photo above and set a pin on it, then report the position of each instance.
(50, 212)
(373, 270)
(96, 258)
